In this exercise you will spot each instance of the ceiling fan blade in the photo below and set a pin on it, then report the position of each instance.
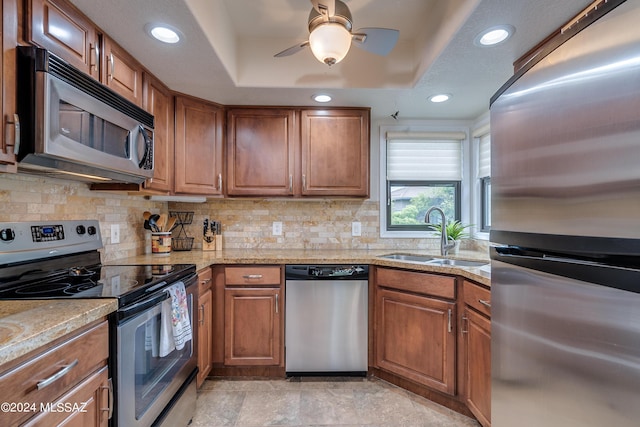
(325, 7)
(376, 40)
(293, 49)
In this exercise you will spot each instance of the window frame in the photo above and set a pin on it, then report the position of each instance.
(466, 184)
(485, 195)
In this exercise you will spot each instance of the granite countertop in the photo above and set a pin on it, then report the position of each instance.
(204, 259)
(30, 324)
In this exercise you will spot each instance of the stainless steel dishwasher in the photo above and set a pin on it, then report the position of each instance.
(326, 319)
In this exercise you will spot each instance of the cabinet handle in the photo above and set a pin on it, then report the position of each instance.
(205, 281)
(465, 322)
(485, 303)
(201, 314)
(53, 378)
(449, 325)
(94, 55)
(112, 66)
(277, 303)
(304, 182)
(109, 389)
(219, 182)
(252, 276)
(16, 139)
(290, 183)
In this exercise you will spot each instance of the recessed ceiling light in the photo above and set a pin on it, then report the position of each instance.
(441, 97)
(163, 32)
(494, 35)
(321, 98)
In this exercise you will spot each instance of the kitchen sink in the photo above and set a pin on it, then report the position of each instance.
(407, 257)
(457, 262)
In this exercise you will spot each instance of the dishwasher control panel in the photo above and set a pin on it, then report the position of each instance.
(327, 271)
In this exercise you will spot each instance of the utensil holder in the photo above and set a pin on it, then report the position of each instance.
(161, 243)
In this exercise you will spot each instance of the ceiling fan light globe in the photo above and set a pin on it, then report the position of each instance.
(330, 42)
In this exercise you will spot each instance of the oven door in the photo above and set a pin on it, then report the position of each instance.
(145, 382)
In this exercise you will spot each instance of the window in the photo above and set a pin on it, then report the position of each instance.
(423, 169)
(484, 175)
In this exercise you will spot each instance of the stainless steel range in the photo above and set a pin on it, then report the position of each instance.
(61, 259)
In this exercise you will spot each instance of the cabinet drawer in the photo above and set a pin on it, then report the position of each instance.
(204, 280)
(477, 297)
(252, 275)
(423, 283)
(65, 365)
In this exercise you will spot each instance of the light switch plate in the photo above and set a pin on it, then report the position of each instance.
(115, 233)
(277, 228)
(356, 229)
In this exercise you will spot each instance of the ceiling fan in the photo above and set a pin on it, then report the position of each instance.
(330, 35)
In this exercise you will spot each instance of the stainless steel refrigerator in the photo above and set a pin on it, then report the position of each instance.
(565, 253)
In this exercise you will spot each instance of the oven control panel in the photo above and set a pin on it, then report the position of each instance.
(23, 241)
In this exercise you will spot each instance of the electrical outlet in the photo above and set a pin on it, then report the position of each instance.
(115, 233)
(277, 228)
(356, 229)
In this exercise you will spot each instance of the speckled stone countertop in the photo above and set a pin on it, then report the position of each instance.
(204, 259)
(28, 325)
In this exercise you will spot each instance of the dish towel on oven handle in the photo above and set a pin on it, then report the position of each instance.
(175, 330)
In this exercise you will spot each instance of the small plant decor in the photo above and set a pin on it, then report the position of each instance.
(455, 230)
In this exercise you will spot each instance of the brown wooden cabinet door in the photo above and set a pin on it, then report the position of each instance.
(158, 101)
(335, 152)
(198, 147)
(205, 336)
(122, 72)
(261, 147)
(59, 27)
(9, 34)
(92, 394)
(476, 330)
(415, 338)
(252, 327)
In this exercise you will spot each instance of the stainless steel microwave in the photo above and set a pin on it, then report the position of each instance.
(74, 127)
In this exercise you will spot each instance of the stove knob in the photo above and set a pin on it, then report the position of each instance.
(81, 229)
(7, 235)
(91, 230)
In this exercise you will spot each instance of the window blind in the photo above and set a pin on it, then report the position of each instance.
(484, 156)
(417, 159)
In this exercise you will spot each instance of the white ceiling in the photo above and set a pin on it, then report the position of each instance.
(226, 54)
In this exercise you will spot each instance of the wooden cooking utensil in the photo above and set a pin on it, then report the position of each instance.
(171, 222)
(162, 221)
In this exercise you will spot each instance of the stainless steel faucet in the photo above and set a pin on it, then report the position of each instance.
(444, 241)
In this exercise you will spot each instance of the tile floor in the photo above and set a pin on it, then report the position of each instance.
(355, 402)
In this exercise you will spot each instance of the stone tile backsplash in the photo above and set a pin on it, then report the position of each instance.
(246, 223)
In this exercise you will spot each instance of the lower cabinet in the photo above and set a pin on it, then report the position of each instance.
(66, 383)
(253, 322)
(476, 351)
(205, 325)
(85, 405)
(252, 326)
(415, 338)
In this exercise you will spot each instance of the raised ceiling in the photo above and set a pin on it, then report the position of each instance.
(226, 54)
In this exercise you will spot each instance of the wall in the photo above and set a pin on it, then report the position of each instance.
(317, 224)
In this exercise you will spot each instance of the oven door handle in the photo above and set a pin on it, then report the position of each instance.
(142, 305)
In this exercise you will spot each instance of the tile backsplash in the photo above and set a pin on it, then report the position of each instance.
(306, 224)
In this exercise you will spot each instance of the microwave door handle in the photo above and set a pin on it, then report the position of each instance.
(147, 147)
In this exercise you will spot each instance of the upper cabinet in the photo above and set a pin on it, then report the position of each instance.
(10, 121)
(158, 100)
(198, 147)
(122, 72)
(298, 152)
(261, 148)
(60, 28)
(335, 152)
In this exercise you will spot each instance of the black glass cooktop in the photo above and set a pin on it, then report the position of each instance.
(98, 281)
